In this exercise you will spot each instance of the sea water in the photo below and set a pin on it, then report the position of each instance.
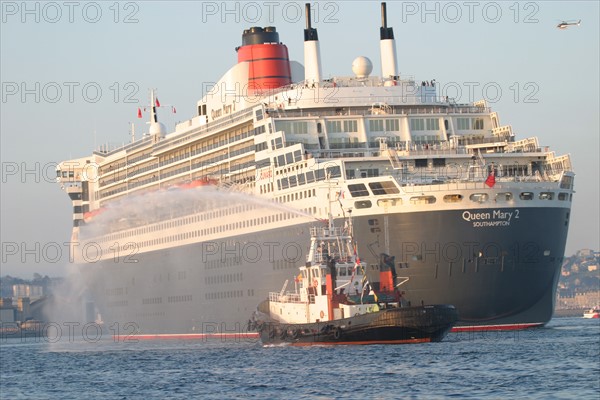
(561, 360)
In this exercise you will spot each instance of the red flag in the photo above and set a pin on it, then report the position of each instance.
(491, 179)
(157, 102)
(174, 110)
(139, 112)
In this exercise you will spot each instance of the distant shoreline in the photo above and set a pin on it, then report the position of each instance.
(569, 312)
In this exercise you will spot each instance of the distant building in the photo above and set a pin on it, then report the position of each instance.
(7, 310)
(24, 290)
(585, 253)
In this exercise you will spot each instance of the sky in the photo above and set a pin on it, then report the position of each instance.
(74, 73)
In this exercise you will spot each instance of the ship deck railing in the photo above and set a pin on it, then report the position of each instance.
(366, 110)
(285, 298)
(326, 232)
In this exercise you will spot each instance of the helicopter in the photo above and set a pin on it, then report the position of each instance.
(566, 24)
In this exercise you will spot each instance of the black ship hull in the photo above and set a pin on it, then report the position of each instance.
(503, 275)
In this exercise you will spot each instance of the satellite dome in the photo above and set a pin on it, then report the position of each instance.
(362, 67)
(157, 128)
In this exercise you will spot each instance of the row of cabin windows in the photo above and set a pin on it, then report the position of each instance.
(425, 124)
(218, 229)
(290, 169)
(283, 264)
(454, 198)
(150, 315)
(181, 222)
(362, 173)
(303, 194)
(223, 263)
(201, 163)
(292, 127)
(469, 123)
(209, 231)
(226, 278)
(224, 295)
(378, 189)
(378, 125)
(198, 233)
(189, 151)
(309, 177)
(288, 158)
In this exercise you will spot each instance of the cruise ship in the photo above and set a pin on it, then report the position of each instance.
(187, 231)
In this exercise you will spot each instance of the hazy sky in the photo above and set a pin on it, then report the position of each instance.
(74, 73)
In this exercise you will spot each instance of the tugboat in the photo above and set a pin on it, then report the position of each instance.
(333, 301)
(593, 312)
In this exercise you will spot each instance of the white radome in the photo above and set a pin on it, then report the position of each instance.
(362, 67)
(158, 128)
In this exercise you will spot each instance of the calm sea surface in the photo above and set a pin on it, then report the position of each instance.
(561, 360)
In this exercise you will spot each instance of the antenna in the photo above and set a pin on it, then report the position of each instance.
(132, 132)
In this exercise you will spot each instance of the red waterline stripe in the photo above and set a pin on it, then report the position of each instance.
(505, 327)
(407, 341)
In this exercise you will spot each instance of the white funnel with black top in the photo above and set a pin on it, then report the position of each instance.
(389, 69)
(312, 53)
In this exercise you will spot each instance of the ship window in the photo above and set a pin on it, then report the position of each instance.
(351, 126)
(417, 124)
(464, 123)
(563, 196)
(319, 127)
(453, 198)
(478, 123)
(422, 200)
(389, 202)
(392, 125)
(280, 160)
(433, 124)
(297, 156)
(505, 196)
(565, 183)
(376, 125)
(479, 197)
(526, 196)
(285, 183)
(439, 162)
(358, 190)
(385, 187)
(289, 158)
(333, 126)
(301, 179)
(259, 115)
(320, 174)
(421, 163)
(293, 181)
(546, 196)
(334, 172)
(363, 204)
